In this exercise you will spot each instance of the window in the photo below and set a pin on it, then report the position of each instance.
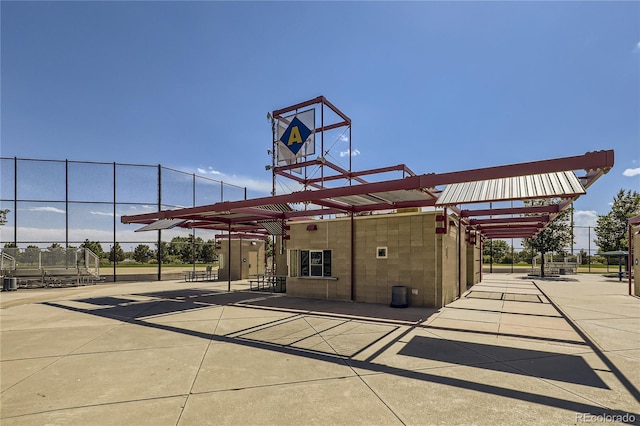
(381, 253)
(315, 263)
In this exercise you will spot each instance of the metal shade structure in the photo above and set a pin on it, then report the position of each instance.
(560, 178)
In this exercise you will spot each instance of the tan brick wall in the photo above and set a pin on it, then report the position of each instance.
(334, 235)
(414, 259)
(473, 263)
(240, 250)
(449, 288)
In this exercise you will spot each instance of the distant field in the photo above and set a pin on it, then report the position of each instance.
(583, 269)
(150, 269)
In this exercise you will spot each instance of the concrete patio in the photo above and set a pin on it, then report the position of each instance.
(510, 351)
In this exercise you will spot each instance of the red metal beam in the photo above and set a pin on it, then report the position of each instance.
(347, 175)
(510, 220)
(594, 160)
(589, 161)
(319, 100)
(552, 208)
(336, 110)
(278, 113)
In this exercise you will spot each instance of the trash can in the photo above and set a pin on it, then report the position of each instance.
(399, 296)
(9, 284)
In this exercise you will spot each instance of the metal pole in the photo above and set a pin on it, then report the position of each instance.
(273, 155)
(159, 251)
(115, 258)
(630, 256)
(491, 255)
(459, 257)
(193, 231)
(589, 248)
(229, 260)
(353, 258)
(15, 201)
(322, 143)
(512, 256)
(573, 233)
(66, 205)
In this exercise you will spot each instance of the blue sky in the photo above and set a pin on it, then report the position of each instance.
(439, 86)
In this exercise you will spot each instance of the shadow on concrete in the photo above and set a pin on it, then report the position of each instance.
(631, 388)
(546, 365)
(106, 301)
(181, 301)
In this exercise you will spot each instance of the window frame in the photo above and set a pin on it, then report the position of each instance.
(313, 263)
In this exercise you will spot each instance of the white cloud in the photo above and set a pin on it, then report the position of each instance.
(258, 185)
(585, 217)
(252, 184)
(110, 214)
(631, 172)
(47, 209)
(344, 138)
(347, 152)
(209, 171)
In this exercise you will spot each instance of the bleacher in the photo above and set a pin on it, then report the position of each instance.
(57, 267)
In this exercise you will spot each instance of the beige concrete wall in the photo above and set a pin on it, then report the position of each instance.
(636, 260)
(462, 280)
(417, 257)
(473, 263)
(280, 257)
(410, 240)
(332, 235)
(449, 286)
(247, 258)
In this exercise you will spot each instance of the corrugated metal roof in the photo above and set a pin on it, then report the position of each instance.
(357, 200)
(276, 207)
(403, 196)
(546, 185)
(273, 227)
(161, 224)
(387, 196)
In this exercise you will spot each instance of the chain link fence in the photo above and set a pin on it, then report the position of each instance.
(67, 204)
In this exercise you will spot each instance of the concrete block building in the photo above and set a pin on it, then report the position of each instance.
(355, 235)
(241, 259)
(362, 259)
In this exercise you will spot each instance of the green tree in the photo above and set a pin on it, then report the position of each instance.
(524, 256)
(31, 255)
(163, 248)
(611, 230)
(116, 254)
(208, 252)
(54, 256)
(141, 253)
(188, 249)
(499, 248)
(175, 246)
(554, 237)
(3, 216)
(94, 246)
